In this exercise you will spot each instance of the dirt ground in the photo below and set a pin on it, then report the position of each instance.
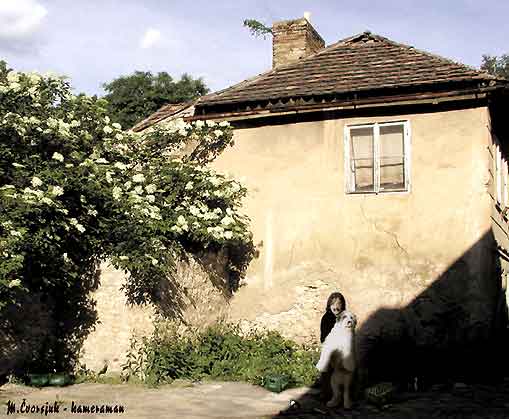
(188, 400)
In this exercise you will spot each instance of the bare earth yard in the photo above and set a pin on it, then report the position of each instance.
(240, 400)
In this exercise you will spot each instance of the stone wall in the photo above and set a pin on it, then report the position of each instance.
(197, 296)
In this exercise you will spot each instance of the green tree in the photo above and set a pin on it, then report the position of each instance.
(3, 68)
(257, 28)
(498, 66)
(134, 97)
(76, 190)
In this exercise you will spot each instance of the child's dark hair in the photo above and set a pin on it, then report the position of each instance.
(335, 296)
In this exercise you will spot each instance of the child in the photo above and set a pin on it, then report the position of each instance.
(335, 305)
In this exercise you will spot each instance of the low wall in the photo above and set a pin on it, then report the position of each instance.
(197, 296)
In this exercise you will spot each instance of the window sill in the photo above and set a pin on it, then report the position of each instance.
(391, 192)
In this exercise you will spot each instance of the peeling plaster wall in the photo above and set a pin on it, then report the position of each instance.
(417, 268)
(382, 251)
(197, 298)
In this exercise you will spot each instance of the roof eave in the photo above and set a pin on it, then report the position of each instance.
(380, 101)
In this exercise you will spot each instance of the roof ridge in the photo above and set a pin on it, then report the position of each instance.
(433, 55)
(370, 34)
(346, 40)
(323, 50)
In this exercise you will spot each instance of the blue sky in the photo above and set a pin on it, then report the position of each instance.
(95, 41)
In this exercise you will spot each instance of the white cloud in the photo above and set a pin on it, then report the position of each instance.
(150, 38)
(20, 19)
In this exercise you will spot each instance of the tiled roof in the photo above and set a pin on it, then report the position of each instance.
(361, 63)
(172, 109)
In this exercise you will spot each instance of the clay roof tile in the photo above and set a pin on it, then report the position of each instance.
(363, 62)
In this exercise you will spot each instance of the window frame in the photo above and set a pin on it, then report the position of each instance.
(505, 195)
(349, 178)
(500, 177)
(498, 174)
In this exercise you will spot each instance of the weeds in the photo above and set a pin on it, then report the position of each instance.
(222, 352)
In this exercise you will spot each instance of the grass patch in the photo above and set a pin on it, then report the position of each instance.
(220, 352)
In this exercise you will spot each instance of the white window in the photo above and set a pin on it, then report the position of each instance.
(505, 197)
(377, 157)
(498, 172)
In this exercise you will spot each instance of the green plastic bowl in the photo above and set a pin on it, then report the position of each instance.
(276, 382)
(59, 379)
(38, 380)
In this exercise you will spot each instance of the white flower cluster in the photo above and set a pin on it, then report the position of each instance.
(141, 200)
(211, 124)
(123, 167)
(36, 182)
(58, 126)
(15, 283)
(56, 190)
(214, 180)
(74, 222)
(139, 178)
(206, 221)
(117, 193)
(120, 166)
(13, 83)
(181, 225)
(176, 125)
(25, 84)
(57, 156)
(220, 233)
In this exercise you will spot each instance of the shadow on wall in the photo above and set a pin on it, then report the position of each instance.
(201, 279)
(449, 331)
(46, 330)
(453, 330)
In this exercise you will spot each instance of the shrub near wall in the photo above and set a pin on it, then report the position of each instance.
(220, 351)
(76, 189)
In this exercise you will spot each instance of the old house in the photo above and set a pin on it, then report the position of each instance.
(378, 170)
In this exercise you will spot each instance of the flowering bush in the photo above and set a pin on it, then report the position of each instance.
(76, 189)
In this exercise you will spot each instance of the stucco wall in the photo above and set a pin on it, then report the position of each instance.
(415, 267)
(382, 251)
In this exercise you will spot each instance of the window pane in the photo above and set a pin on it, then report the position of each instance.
(362, 158)
(504, 184)
(392, 152)
(499, 173)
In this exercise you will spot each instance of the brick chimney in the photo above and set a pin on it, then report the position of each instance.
(293, 40)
